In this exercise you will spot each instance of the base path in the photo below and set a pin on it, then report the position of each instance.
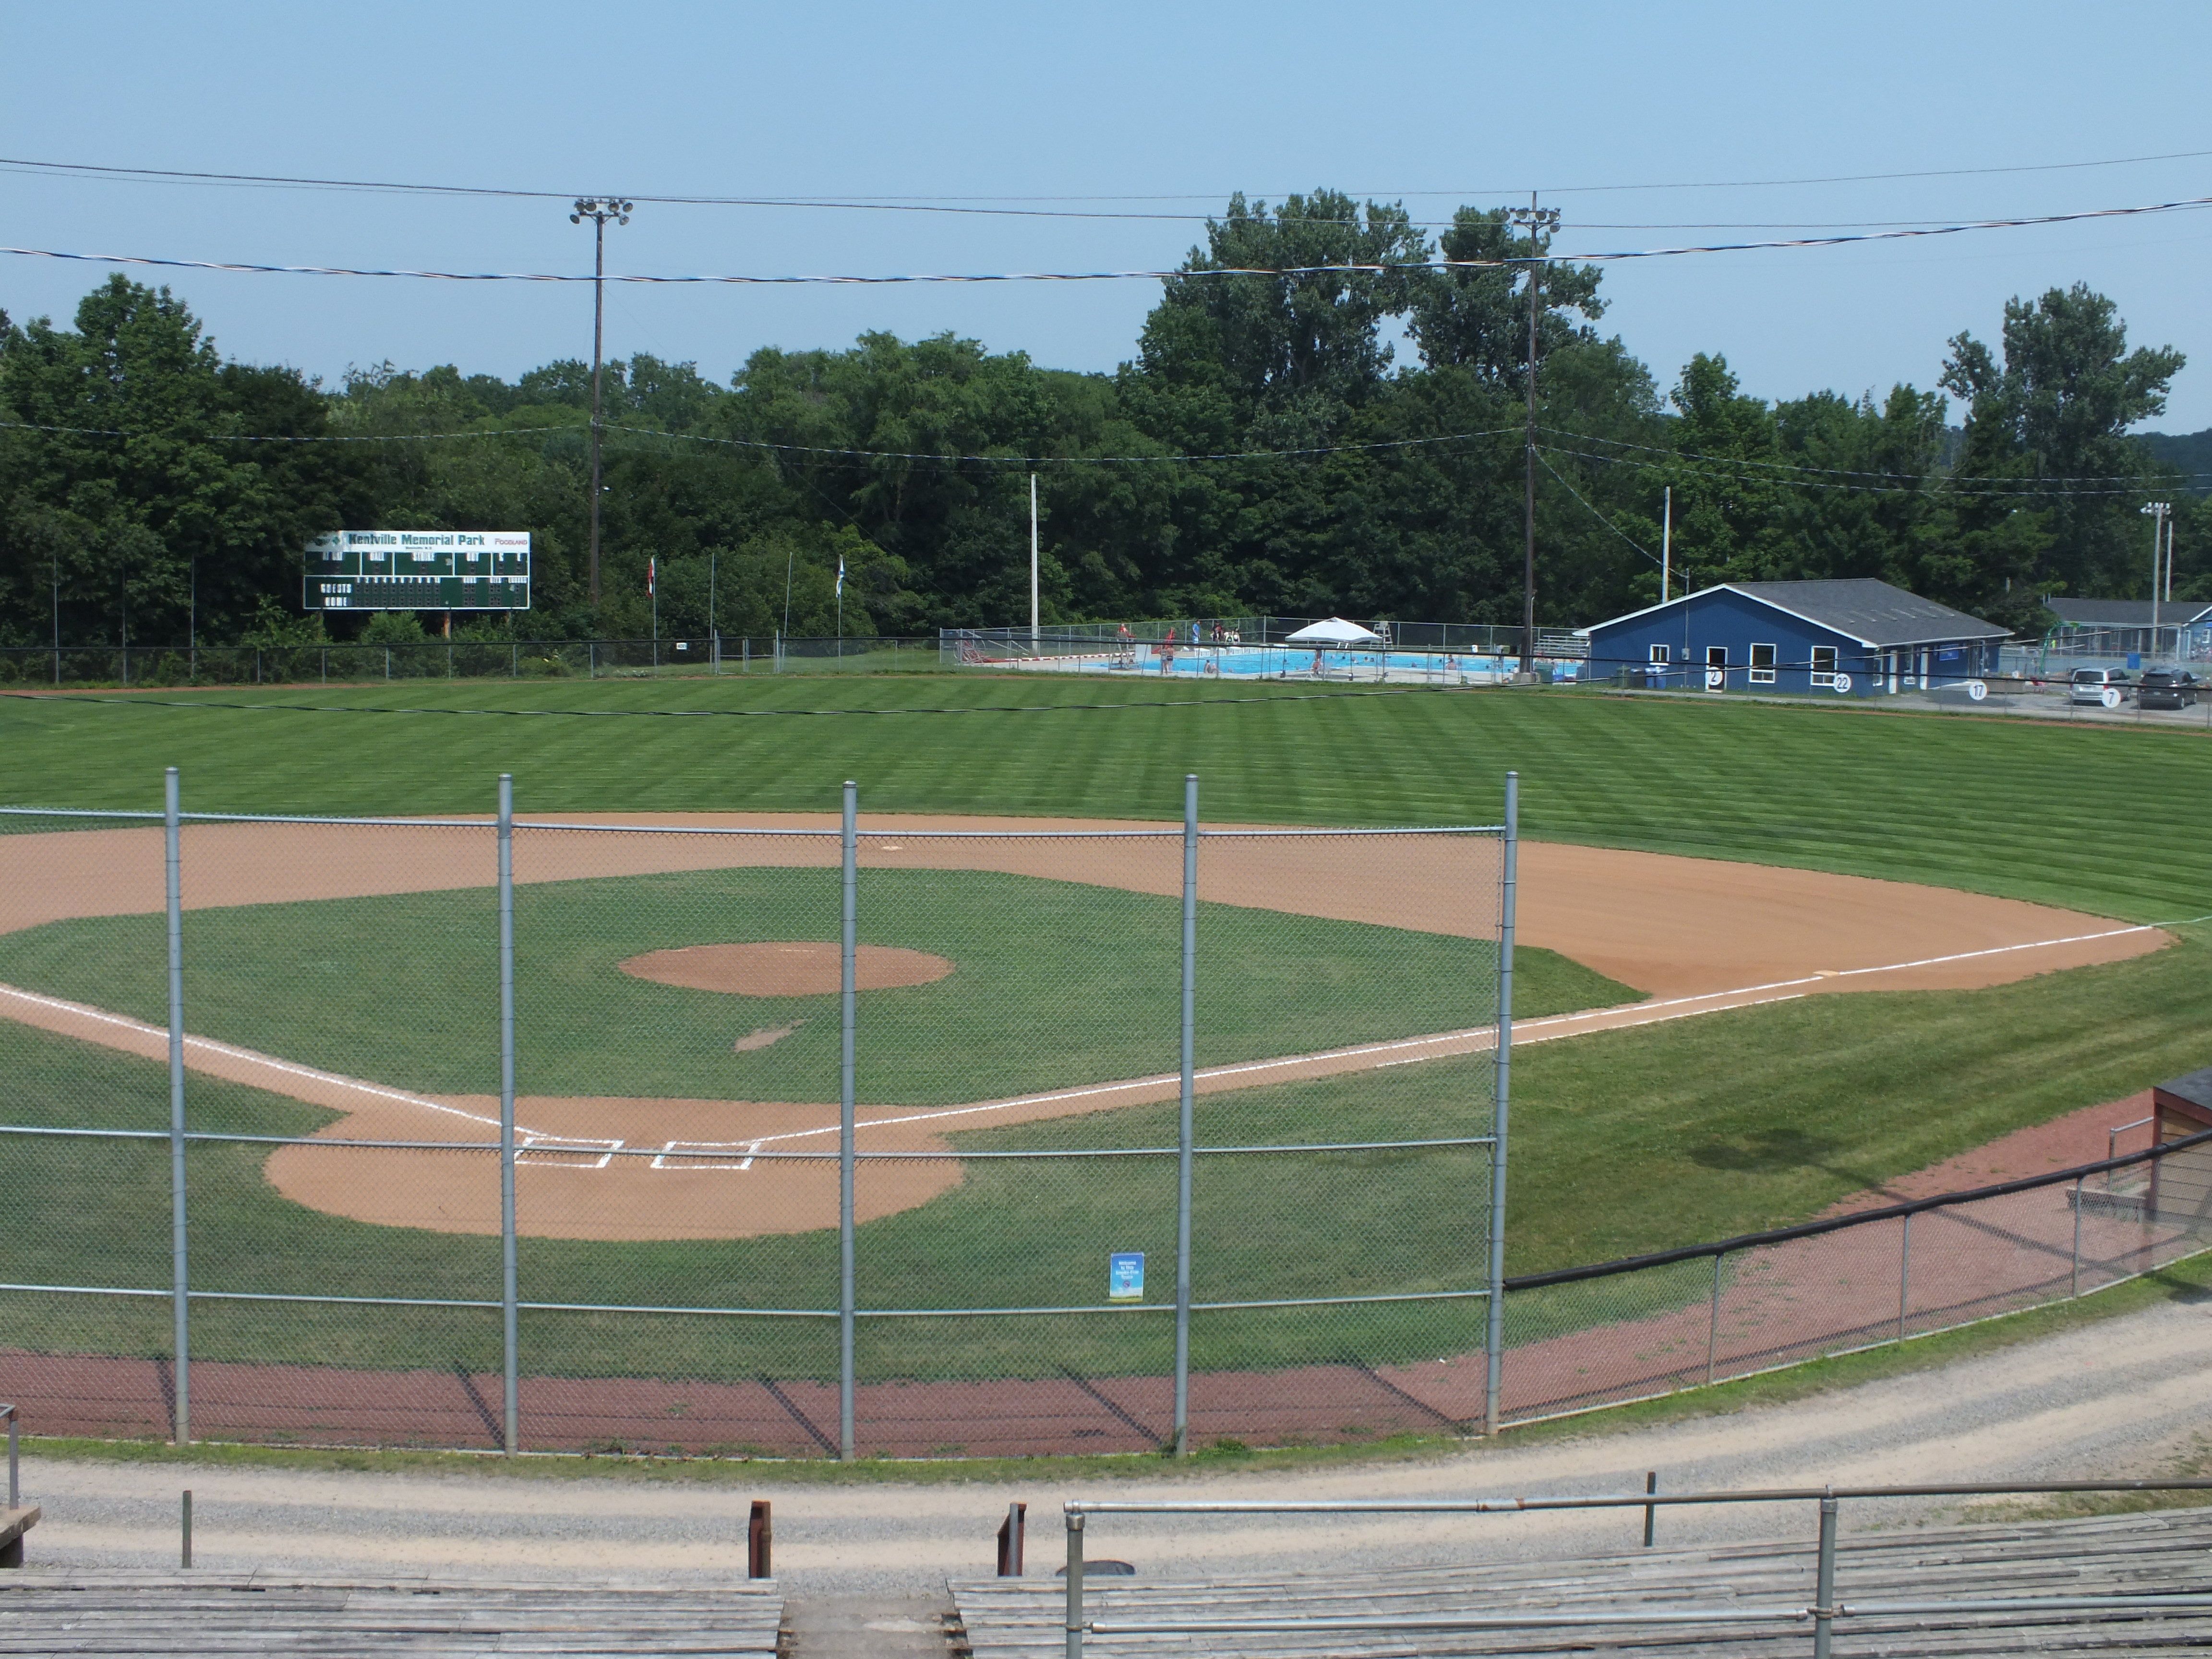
(1700, 936)
(1670, 927)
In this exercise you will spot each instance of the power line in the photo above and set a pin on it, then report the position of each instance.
(1593, 513)
(1072, 460)
(1932, 485)
(796, 449)
(1849, 472)
(290, 438)
(1346, 268)
(873, 201)
(1885, 178)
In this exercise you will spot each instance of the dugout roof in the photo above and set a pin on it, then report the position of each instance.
(2194, 1090)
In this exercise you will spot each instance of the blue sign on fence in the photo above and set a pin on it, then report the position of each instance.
(1125, 1276)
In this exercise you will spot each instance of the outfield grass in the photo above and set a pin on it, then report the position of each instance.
(2061, 814)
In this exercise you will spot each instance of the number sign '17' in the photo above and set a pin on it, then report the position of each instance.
(419, 570)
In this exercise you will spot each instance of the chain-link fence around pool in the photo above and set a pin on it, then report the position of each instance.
(777, 1137)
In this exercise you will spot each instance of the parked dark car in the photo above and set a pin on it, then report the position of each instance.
(2166, 688)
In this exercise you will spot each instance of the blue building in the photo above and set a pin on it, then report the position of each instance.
(1855, 637)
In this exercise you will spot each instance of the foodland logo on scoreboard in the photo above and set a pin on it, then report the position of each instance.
(419, 570)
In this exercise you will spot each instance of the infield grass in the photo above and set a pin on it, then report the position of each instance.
(1054, 985)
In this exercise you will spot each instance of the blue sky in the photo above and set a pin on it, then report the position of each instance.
(1435, 104)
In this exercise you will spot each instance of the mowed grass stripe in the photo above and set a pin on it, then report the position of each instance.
(2074, 815)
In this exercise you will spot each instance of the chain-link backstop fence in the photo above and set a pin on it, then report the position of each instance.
(768, 1138)
(819, 1138)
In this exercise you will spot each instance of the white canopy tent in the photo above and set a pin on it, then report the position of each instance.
(1333, 631)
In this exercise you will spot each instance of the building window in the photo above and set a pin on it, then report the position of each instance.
(1824, 664)
(1762, 665)
(1659, 657)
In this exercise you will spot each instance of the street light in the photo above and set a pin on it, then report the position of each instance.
(599, 209)
(2157, 511)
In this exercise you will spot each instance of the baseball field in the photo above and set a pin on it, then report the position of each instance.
(2013, 909)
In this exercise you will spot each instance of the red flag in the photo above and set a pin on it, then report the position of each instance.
(652, 569)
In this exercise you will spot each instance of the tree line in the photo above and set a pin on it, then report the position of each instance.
(1266, 449)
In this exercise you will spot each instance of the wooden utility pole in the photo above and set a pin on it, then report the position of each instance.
(1538, 222)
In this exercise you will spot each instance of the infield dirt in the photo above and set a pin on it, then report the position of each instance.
(1697, 935)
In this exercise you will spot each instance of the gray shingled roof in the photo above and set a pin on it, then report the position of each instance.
(2126, 613)
(2196, 1087)
(1874, 612)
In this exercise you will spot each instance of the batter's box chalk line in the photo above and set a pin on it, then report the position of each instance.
(701, 1154)
(565, 1153)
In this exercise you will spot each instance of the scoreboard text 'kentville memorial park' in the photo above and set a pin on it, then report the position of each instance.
(419, 570)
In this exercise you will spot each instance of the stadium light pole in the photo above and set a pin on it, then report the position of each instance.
(599, 209)
(1539, 220)
(2157, 511)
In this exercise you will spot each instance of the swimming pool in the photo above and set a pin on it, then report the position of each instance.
(1288, 662)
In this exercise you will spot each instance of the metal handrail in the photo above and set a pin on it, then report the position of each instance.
(2034, 1606)
(1827, 1608)
(15, 1486)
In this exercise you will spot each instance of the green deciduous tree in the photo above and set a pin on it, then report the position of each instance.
(2051, 416)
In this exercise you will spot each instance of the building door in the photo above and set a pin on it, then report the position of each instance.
(1716, 668)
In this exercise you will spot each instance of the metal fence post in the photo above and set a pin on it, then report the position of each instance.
(847, 1448)
(173, 865)
(2078, 1180)
(1074, 1585)
(1713, 1327)
(510, 1419)
(1494, 1383)
(1183, 1132)
(1903, 1278)
(1824, 1592)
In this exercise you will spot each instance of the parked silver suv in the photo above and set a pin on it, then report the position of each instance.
(2090, 686)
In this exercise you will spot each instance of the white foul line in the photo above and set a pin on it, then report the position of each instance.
(1718, 1001)
(266, 1061)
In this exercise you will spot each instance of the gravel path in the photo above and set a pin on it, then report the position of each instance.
(2112, 1399)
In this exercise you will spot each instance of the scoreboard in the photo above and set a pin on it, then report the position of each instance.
(419, 570)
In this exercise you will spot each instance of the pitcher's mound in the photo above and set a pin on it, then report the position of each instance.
(784, 968)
